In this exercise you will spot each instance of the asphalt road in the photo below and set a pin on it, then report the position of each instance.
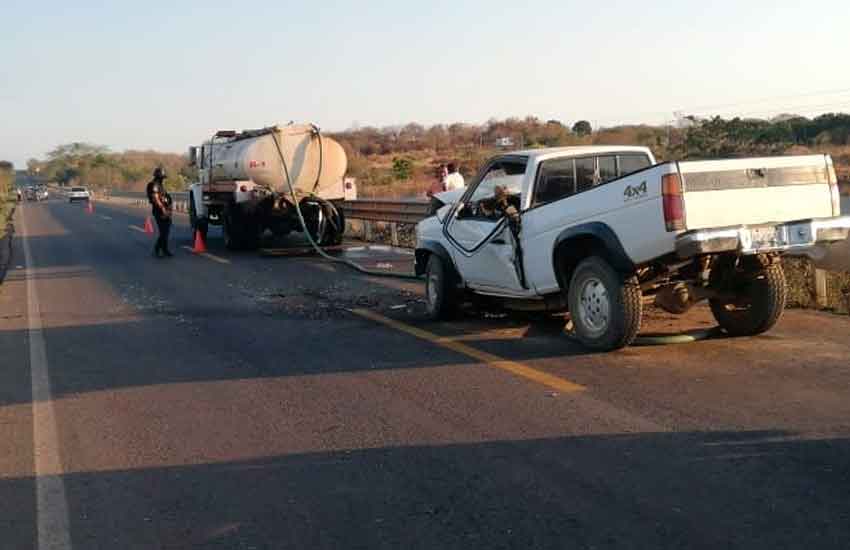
(234, 401)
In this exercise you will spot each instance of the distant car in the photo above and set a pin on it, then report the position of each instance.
(30, 193)
(41, 194)
(78, 194)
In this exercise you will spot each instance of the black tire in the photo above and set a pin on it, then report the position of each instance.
(338, 234)
(333, 231)
(328, 232)
(440, 292)
(193, 214)
(761, 295)
(605, 307)
(239, 234)
(231, 241)
(197, 224)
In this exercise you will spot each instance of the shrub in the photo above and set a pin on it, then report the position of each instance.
(402, 168)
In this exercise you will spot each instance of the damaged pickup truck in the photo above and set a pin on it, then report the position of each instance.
(599, 231)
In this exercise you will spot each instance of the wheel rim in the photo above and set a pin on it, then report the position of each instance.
(431, 289)
(595, 307)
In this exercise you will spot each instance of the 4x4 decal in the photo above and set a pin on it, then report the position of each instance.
(635, 191)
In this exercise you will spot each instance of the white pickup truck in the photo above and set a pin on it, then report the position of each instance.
(597, 231)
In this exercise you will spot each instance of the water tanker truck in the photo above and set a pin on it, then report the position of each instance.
(251, 181)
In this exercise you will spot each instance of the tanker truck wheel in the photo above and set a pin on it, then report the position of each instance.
(325, 222)
(335, 228)
(240, 233)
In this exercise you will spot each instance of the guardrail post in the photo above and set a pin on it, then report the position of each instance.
(394, 233)
(821, 288)
(367, 231)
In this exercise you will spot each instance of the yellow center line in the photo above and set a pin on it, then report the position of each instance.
(208, 256)
(513, 367)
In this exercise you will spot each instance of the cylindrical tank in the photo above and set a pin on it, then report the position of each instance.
(255, 158)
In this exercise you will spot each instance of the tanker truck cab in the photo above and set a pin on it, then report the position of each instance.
(250, 182)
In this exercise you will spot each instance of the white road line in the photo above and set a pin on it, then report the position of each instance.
(51, 502)
(136, 228)
(207, 255)
(105, 217)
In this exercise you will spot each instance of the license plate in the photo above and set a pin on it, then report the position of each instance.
(765, 238)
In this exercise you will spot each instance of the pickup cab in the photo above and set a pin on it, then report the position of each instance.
(599, 231)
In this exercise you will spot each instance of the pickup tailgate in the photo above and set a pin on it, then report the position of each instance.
(722, 193)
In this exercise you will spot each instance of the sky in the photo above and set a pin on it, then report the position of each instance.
(165, 75)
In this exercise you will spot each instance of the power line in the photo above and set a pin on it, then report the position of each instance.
(663, 117)
(762, 100)
(795, 109)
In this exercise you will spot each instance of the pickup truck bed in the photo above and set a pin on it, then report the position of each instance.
(755, 191)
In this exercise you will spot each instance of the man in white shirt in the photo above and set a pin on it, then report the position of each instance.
(454, 180)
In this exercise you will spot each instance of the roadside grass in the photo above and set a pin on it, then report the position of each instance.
(799, 275)
(7, 205)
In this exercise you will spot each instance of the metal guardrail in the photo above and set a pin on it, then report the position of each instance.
(393, 211)
(373, 210)
(180, 195)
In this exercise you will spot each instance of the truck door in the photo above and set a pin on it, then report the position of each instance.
(483, 227)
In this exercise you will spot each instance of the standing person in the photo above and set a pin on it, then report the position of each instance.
(161, 209)
(439, 183)
(454, 180)
(437, 186)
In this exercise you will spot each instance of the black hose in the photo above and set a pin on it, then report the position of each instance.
(313, 243)
(318, 134)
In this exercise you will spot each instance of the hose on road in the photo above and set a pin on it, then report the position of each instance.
(319, 250)
(653, 339)
(669, 339)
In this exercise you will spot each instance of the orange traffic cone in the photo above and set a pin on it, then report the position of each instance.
(200, 246)
(148, 226)
(90, 206)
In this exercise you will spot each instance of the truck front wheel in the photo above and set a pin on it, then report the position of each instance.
(605, 306)
(198, 224)
(754, 294)
(440, 294)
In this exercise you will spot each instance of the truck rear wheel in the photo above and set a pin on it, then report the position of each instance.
(759, 295)
(605, 307)
(239, 233)
(325, 222)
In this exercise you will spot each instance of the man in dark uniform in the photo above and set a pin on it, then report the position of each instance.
(161, 209)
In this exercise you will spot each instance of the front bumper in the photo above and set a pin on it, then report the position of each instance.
(758, 239)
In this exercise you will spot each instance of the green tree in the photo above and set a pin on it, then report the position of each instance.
(7, 176)
(582, 128)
